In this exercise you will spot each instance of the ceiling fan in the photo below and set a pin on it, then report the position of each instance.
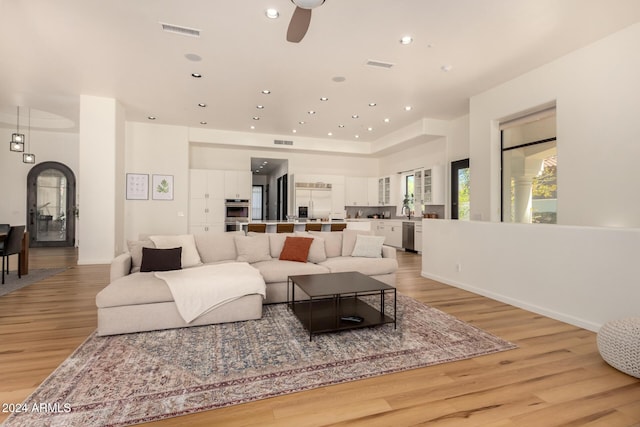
(301, 18)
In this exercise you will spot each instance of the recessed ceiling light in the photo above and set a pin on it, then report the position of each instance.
(272, 13)
(261, 166)
(196, 75)
(387, 120)
(355, 116)
(372, 104)
(357, 136)
(202, 104)
(311, 112)
(294, 131)
(407, 108)
(265, 162)
(256, 118)
(266, 91)
(369, 128)
(339, 79)
(151, 117)
(324, 98)
(252, 127)
(330, 134)
(340, 126)
(203, 123)
(301, 122)
(259, 107)
(406, 40)
(446, 68)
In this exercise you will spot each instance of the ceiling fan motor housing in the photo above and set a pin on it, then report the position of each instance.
(307, 4)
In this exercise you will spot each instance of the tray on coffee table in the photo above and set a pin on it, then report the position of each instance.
(334, 297)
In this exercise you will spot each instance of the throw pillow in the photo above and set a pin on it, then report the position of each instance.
(190, 255)
(296, 249)
(252, 248)
(135, 249)
(217, 246)
(349, 240)
(161, 259)
(276, 243)
(332, 242)
(317, 251)
(368, 246)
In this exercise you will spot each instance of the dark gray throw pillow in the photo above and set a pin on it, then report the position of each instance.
(161, 259)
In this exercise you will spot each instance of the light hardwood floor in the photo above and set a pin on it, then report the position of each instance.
(556, 376)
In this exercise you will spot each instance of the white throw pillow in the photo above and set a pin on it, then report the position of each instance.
(332, 242)
(252, 248)
(135, 249)
(190, 254)
(276, 242)
(349, 240)
(317, 252)
(368, 246)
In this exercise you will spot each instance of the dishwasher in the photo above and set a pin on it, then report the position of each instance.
(408, 235)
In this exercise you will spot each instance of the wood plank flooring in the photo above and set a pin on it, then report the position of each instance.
(555, 378)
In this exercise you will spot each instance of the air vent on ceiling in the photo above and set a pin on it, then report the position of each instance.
(281, 142)
(184, 31)
(379, 64)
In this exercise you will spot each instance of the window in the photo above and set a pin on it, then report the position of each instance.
(460, 189)
(408, 197)
(256, 203)
(529, 169)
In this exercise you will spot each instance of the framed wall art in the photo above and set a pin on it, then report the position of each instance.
(137, 186)
(162, 187)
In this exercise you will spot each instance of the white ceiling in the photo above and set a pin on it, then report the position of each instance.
(53, 51)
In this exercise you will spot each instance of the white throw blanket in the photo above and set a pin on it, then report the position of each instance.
(199, 290)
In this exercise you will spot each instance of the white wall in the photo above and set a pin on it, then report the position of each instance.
(164, 150)
(580, 275)
(596, 89)
(47, 146)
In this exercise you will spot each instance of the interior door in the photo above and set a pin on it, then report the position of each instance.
(460, 189)
(51, 206)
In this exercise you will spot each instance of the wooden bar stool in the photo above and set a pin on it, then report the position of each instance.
(338, 227)
(256, 228)
(284, 228)
(312, 226)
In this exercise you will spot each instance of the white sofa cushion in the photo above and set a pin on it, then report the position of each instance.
(317, 252)
(216, 247)
(332, 242)
(368, 266)
(136, 288)
(253, 248)
(190, 255)
(135, 249)
(278, 271)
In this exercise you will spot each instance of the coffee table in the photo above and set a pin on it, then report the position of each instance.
(333, 296)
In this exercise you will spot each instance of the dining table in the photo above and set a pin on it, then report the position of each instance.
(24, 252)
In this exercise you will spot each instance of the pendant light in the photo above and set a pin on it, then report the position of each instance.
(29, 157)
(17, 138)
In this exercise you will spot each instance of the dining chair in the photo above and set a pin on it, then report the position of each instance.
(338, 227)
(284, 228)
(310, 226)
(12, 246)
(4, 229)
(256, 228)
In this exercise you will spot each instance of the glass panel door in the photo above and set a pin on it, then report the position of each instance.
(460, 189)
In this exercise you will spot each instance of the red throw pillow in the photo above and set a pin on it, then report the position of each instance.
(296, 249)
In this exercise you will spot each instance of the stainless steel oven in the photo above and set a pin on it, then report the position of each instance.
(237, 210)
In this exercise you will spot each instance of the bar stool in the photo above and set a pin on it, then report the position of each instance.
(256, 228)
(312, 226)
(338, 227)
(284, 228)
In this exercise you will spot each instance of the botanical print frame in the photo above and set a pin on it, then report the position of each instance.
(162, 187)
(137, 186)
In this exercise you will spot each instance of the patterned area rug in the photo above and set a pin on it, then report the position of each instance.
(129, 379)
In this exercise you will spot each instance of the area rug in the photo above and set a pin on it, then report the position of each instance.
(13, 283)
(129, 379)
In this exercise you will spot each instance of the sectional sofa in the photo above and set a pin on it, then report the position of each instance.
(137, 301)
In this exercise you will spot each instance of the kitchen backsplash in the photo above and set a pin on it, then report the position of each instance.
(387, 211)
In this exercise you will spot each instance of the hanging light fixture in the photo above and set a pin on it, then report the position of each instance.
(29, 157)
(17, 138)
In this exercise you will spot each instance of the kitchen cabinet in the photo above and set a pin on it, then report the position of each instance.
(206, 200)
(361, 191)
(418, 237)
(237, 185)
(391, 230)
(388, 190)
(433, 186)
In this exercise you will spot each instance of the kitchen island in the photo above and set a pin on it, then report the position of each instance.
(297, 225)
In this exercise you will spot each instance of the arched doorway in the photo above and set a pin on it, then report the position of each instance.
(51, 205)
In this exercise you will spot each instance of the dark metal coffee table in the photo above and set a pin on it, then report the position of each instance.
(334, 296)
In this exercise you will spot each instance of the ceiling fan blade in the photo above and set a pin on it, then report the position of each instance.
(299, 25)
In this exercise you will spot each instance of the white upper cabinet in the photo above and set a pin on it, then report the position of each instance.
(388, 190)
(237, 185)
(433, 186)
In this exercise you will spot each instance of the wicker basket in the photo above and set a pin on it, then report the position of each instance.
(619, 344)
